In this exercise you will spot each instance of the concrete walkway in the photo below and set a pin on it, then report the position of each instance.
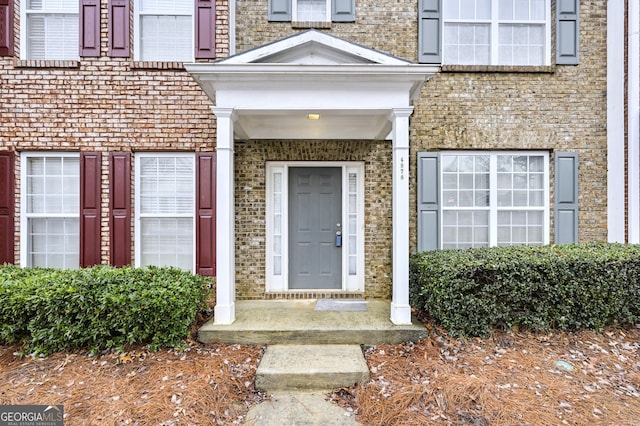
(299, 408)
(313, 348)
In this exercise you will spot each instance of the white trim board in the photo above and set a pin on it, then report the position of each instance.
(277, 224)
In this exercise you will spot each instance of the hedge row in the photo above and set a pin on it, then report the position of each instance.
(50, 310)
(567, 287)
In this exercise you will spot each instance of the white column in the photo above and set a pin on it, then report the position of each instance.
(615, 121)
(225, 309)
(400, 309)
(633, 97)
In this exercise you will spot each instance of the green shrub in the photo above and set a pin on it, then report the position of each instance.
(97, 308)
(567, 287)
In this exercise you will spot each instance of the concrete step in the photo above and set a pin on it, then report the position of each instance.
(297, 409)
(310, 367)
(271, 322)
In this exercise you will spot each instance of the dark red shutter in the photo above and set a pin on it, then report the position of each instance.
(120, 208)
(205, 29)
(206, 214)
(90, 28)
(118, 28)
(90, 177)
(7, 199)
(6, 27)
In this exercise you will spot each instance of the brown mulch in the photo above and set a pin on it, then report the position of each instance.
(199, 385)
(511, 378)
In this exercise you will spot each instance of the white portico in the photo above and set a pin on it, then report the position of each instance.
(274, 92)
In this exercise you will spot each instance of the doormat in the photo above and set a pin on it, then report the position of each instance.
(341, 305)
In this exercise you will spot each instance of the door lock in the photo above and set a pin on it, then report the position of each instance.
(338, 239)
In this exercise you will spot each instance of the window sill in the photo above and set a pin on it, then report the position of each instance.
(541, 69)
(157, 65)
(45, 63)
(311, 24)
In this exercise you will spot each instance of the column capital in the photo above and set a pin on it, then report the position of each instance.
(224, 112)
(400, 112)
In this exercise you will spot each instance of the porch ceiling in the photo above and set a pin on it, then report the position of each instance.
(296, 124)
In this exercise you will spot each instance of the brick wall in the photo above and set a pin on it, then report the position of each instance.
(554, 108)
(251, 158)
(104, 104)
(107, 104)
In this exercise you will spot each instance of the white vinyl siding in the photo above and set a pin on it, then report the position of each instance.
(50, 223)
(51, 29)
(497, 32)
(494, 199)
(165, 210)
(164, 30)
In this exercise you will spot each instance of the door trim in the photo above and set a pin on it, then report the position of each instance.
(277, 225)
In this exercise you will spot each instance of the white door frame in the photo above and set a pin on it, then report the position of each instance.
(277, 224)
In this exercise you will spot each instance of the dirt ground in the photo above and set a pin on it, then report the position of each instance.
(511, 378)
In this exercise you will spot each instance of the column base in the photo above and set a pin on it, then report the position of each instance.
(224, 314)
(400, 314)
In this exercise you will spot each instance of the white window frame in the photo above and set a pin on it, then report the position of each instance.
(24, 33)
(25, 216)
(278, 282)
(137, 31)
(494, 31)
(294, 12)
(493, 207)
(138, 215)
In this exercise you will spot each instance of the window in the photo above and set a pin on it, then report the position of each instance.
(50, 223)
(311, 10)
(496, 32)
(482, 199)
(164, 30)
(494, 199)
(51, 30)
(165, 209)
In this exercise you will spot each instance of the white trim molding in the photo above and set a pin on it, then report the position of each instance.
(400, 308)
(277, 220)
(615, 121)
(225, 309)
(633, 111)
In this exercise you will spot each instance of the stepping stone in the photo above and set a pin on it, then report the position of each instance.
(311, 367)
(299, 409)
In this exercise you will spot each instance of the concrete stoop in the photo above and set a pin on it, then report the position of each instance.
(310, 367)
(280, 322)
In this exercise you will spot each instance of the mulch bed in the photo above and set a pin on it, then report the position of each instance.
(514, 377)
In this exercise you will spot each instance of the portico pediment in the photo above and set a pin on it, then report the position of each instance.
(313, 48)
(274, 88)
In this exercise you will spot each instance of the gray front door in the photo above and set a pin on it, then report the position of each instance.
(315, 216)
